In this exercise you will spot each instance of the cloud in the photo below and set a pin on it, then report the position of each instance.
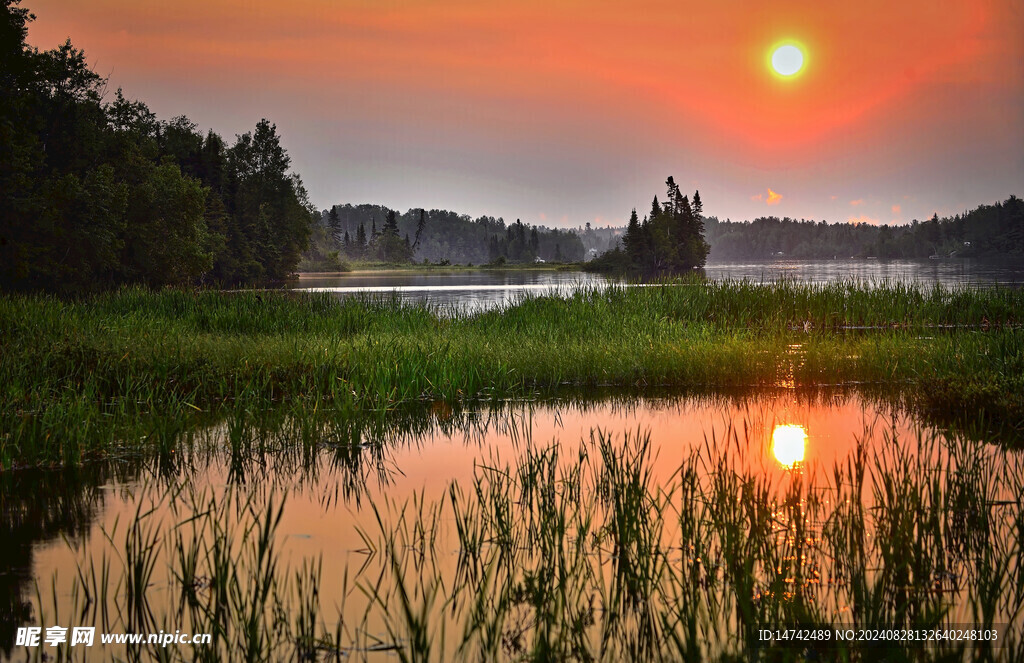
(772, 198)
(859, 201)
(863, 218)
(834, 197)
(896, 209)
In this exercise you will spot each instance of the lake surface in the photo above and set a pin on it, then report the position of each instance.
(947, 271)
(419, 502)
(483, 289)
(462, 290)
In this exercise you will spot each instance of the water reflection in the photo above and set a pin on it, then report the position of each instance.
(40, 508)
(429, 482)
(947, 272)
(789, 442)
(468, 290)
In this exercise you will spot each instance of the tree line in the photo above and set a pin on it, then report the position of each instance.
(986, 231)
(376, 233)
(95, 193)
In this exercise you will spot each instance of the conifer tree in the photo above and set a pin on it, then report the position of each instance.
(361, 239)
(631, 240)
(420, 225)
(334, 223)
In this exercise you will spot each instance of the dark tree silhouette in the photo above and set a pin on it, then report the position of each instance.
(94, 194)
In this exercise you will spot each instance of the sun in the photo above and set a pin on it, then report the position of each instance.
(787, 59)
(789, 444)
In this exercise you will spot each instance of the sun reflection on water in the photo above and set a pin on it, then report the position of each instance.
(789, 441)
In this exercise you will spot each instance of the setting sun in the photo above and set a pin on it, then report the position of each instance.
(788, 444)
(787, 60)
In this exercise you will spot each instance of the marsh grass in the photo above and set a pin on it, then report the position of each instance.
(578, 552)
(132, 369)
(584, 558)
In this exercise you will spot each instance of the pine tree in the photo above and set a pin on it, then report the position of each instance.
(684, 207)
(334, 223)
(390, 224)
(631, 240)
(361, 239)
(419, 228)
(674, 204)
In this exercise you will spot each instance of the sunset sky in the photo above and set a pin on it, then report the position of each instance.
(567, 112)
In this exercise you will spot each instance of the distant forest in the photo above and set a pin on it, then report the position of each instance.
(987, 231)
(439, 235)
(96, 193)
(361, 232)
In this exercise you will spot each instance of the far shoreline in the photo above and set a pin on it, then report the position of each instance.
(413, 267)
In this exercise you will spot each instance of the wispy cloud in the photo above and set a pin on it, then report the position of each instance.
(774, 198)
(759, 197)
(863, 218)
(896, 209)
(859, 201)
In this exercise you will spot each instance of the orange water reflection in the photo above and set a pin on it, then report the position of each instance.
(766, 435)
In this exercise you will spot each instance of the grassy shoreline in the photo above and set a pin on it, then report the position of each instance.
(81, 377)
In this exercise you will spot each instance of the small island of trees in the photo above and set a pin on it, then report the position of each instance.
(669, 240)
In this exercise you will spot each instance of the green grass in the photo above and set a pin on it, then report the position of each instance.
(134, 367)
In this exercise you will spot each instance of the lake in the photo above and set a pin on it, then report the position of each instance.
(419, 519)
(487, 288)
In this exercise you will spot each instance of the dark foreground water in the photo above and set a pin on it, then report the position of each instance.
(491, 532)
(482, 289)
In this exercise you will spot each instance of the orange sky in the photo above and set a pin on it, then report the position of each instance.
(576, 111)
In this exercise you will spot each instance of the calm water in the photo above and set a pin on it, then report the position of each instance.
(946, 272)
(61, 528)
(477, 290)
(463, 290)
